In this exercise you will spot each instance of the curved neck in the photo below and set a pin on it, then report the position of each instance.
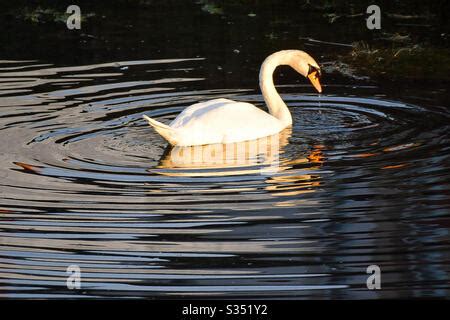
(276, 105)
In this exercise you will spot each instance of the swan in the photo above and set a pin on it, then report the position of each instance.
(226, 121)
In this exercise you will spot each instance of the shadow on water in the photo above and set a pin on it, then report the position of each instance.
(362, 178)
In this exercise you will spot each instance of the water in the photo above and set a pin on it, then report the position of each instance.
(362, 178)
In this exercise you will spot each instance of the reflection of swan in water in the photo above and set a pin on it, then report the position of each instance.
(246, 157)
(263, 156)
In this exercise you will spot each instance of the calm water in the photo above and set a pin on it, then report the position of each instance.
(363, 179)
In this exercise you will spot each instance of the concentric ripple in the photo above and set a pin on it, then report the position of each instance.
(358, 180)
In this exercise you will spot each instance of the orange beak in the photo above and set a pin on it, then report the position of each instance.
(314, 78)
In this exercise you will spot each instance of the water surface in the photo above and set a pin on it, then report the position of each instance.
(362, 178)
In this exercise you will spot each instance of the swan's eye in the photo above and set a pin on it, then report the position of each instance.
(314, 70)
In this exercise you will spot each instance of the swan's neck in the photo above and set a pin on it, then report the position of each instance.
(276, 105)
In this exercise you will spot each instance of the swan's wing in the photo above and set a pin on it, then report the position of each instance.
(187, 114)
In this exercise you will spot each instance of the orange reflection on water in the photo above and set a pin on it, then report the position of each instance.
(397, 166)
(28, 167)
(365, 155)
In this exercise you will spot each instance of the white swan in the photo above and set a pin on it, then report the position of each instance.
(227, 121)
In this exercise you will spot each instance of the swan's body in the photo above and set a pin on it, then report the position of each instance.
(227, 121)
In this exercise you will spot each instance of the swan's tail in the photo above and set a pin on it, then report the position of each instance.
(165, 131)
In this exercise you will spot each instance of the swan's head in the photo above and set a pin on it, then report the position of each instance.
(304, 64)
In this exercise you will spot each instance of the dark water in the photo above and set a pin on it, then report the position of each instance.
(364, 179)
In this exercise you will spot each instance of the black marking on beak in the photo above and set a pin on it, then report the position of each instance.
(312, 69)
